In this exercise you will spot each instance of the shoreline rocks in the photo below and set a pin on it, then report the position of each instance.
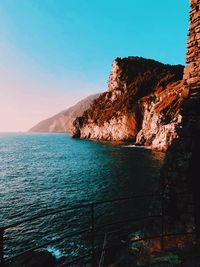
(141, 105)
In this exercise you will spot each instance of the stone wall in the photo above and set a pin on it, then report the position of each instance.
(191, 73)
(179, 173)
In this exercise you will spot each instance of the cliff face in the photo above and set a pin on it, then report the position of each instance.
(141, 104)
(161, 117)
(180, 170)
(63, 121)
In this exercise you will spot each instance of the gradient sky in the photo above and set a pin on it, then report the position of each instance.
(55, 52)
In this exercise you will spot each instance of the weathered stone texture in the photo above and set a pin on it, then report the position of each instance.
(180, 170)
(191, 76)
(142, 104)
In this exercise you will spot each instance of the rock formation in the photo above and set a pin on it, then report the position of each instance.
(63, 121)
(142, 104)
(181, 167)
(191, 72)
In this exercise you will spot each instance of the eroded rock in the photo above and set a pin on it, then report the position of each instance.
(142, 104)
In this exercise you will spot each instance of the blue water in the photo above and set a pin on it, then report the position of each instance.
(42, 172)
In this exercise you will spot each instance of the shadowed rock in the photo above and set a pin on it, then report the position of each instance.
(35, 259)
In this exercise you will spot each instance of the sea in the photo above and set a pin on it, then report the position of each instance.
(43, 173)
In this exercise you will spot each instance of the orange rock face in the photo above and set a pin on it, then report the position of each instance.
(192, 2)
(141, 104)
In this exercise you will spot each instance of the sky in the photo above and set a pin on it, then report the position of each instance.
(53, 53)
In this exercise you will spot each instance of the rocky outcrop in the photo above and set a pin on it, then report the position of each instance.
(141, 104)
(191, 72)
(181, 167)
(63, 121)
(161, 117)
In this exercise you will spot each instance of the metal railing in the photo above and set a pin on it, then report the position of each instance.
(92, 230)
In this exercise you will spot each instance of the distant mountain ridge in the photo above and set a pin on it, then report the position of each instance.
(63, 121)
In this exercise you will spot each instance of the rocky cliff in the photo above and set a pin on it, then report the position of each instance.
(181, 166)
(63, 121)
(141, 104)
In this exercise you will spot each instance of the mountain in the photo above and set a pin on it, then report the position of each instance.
(142, 104)
(63, 121)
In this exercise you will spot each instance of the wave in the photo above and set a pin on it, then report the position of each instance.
(55, 252)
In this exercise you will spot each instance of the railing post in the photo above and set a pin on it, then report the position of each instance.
(101, 262)
(92, 235)
(1, 248)
(162, 222)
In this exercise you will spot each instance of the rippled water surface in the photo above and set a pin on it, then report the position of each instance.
(42, 172)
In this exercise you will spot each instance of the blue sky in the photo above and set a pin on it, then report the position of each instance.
(55, 52)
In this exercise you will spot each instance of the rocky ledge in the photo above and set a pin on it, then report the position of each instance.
(142, 105)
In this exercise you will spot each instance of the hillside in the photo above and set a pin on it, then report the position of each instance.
(62, 122)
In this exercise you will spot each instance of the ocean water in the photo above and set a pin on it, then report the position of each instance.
(43, 172)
